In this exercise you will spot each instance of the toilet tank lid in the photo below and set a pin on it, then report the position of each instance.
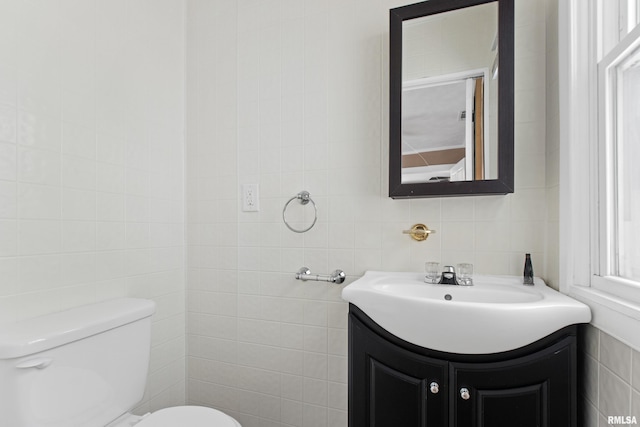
(52, 330)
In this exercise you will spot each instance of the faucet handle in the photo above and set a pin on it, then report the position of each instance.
(419, 232)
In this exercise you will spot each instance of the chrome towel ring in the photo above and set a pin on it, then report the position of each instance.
(304, 197)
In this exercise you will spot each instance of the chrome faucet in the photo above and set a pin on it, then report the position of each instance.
(448, 276)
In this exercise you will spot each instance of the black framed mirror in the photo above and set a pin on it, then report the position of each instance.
(451, 98)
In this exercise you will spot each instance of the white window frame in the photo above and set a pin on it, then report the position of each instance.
(614, 302)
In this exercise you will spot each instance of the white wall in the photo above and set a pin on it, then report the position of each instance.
(91, 165)
(610, 374)
(292, 95)
(552, 138)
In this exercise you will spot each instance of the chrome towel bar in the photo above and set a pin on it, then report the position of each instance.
(337, 276)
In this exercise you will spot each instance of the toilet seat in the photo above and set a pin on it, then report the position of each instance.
(188, 416)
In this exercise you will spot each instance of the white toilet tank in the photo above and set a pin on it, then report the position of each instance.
(82, 367)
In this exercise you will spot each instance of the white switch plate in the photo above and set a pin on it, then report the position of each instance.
(250, 198)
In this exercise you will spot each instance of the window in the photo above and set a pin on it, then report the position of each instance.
(617, 255)
(628, 175)
(600, 203)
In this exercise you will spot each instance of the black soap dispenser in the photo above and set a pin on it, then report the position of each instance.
(528, 270)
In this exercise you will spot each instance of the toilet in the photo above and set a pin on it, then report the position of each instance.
(86, 367)
(178, 416)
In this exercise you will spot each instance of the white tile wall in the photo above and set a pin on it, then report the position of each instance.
(552, 146)
(291, 95)
(611, 372)
(91, 165)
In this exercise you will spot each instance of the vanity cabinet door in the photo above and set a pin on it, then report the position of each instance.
(533, 391)
(392, 387)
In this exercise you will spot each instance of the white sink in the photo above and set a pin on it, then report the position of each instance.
(497, 314)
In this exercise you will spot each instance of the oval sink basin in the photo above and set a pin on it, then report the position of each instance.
(496, 314)
(490, 293)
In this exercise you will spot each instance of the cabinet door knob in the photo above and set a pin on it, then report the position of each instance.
(434, 387)
(464, 393)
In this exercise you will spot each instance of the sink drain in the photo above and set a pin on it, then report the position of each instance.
(448, 297)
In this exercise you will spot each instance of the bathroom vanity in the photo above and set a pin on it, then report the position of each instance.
(495, 354)
(395, 383)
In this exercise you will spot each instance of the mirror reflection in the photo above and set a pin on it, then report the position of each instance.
(449, 98)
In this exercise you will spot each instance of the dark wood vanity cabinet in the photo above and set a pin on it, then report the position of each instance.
(530, 391)
(393, 383)
(390, 386)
